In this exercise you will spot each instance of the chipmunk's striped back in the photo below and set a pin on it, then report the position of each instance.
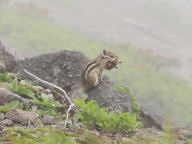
(91, 73)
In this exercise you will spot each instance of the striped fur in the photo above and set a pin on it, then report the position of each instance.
(97, 63)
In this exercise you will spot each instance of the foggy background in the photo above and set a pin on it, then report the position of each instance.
(152, 38)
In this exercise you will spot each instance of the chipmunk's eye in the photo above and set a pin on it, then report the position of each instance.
(111, 56)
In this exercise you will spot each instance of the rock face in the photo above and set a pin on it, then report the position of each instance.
(22, 117)
(49, 120)
(2, 67)
(6, 122)
(7, 96)
(6, 58)
(63, 69)
(107, 95)
(150, 119)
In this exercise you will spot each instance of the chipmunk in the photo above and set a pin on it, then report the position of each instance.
(92, 72)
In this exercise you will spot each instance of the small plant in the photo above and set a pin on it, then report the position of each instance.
(90, 114)
(11, 105)
(49, 135)
(48, 106)
(4, 77)
(20, 88)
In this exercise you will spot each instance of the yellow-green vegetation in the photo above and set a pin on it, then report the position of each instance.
(49, 135)
(91, 115)
(18, 135)
(46, 105)
(28, 31)
(10, 106)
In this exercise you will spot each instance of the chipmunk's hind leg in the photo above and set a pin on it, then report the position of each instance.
(92, 79)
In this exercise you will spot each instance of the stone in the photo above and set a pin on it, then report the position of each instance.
(22, 117)
(7, 122)
(7, 96)
(50, 96)
(106, 95)
(64, 63)
(7, 59)
(2, 116)
(149, 119)
(40, 88)
(2, 67)
(49, 120)
(46, 91)
(63, 69)
(33, 107)
(186, 133)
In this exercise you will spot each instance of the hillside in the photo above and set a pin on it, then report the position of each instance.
(35, 111)
(32, 31)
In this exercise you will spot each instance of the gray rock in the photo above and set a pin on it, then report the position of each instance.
(22, 117)
(34, 107)
(63, 69)
(46, 91)
(68, 63)
(2, 67)
(60, 124)
(106, 95)
(7, 96)
(50, 96)
(7, 122)
(186, 133)
(2, 116)
(180, 142)
(40, 88)
(7, 58)
(49, 120)
(149, 119)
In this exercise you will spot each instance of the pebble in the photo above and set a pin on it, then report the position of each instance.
(46, 91)
(49, 120)
(7, 122)
(2, 116)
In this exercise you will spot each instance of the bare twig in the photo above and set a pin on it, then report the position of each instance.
(52, 85)
(72, 105)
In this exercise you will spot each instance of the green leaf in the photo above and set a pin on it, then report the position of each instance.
(12, 105)
(15, 85)
(27, 92)
(91, 115)
(22, 82)
(21, 106)
(57, 104)
(44, 97)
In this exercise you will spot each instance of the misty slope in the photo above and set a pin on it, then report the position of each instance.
(27, 29)
(163, 26)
